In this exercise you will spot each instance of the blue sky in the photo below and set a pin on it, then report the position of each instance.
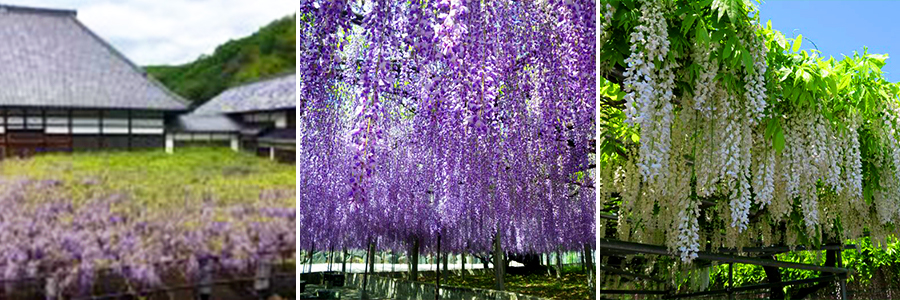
(169, 31)
(841, 27)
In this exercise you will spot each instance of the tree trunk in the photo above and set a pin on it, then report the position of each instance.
(414, 260)
(546, 258)
(559, 263)
(372, 257)
(446, 261)
(588, 258)
(364, 294)
(312, 250)
(581, 259)
(499, 264)
(462, 269)
(437, 270)
(344, 262)
(331, 258)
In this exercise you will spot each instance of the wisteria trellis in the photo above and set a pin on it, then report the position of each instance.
(703, 102)
(66, 243)
(459, 119)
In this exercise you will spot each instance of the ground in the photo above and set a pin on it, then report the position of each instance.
(155, 178)
(572, 285)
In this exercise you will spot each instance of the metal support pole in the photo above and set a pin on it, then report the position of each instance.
(437, 270)
(731, 281)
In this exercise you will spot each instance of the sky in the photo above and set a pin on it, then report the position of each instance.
(152, 32)
(841, 27)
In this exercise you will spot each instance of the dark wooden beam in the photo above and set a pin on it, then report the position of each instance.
(704, 255)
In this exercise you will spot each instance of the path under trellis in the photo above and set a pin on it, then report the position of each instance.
(830, 272)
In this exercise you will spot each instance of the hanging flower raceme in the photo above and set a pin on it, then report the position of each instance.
(458, 119)
(649, 86)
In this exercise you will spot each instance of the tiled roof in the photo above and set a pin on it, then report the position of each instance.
(48, 58)
(271, 94)
(205, 123)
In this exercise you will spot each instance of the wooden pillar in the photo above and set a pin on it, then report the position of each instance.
(6, 132)
(102, 140)
(170, 143)
(71, 135)
(130, 133)
(843, 282)
(44, 128)
(235, 144)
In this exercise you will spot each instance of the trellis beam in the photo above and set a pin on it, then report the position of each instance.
(629, 274)
(660, 250)
(760, 286)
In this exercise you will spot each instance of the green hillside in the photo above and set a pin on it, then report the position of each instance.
(269, 51)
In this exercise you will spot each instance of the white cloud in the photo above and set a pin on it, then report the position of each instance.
(153, 32)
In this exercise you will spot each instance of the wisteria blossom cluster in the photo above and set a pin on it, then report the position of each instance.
(649, 84)
(47, 235)
(732, 136)
(755, 78)
(466, 120)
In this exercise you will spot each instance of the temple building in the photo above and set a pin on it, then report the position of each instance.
(258, 117)
(63, 88)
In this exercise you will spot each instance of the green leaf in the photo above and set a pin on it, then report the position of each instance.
(786, 73)
(701, 35)
(718, 36)
(726, 50)
(878, 59)
(781, 40)
(845, 81)
(733, 8)
(748, 60)
(770, 128)
(797, 41)
(635, 138)
(778, 142)
(688, 23)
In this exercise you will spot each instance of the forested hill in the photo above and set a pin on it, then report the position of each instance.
(269, 51)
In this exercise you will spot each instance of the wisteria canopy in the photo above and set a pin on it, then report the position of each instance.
(458, 119)
(719, 132)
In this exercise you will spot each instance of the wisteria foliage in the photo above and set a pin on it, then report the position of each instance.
(69, 244)
(720, 132)
(458, 119)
